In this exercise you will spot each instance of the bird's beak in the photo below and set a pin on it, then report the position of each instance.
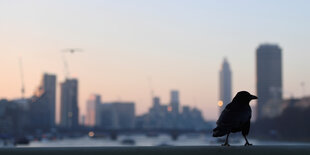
(253, 97)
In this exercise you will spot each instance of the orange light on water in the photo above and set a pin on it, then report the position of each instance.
(91, 134)
(220, 103)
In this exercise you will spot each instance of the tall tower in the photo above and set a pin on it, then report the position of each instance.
(269, 75)
(156, 102)
(174, 102)
(69, 104)
(92, 108)
(225, 85)
(48, 89)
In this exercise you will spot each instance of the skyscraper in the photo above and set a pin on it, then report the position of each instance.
(269, 76)
(48, 89)
(225, 85)
(69, 104)
(174, 102)
(91, 106)
(125, 114)
(156, 102)
(49, 86)
(116, 115)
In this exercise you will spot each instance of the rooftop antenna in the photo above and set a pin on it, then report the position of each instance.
(22, 77)
(66, 66)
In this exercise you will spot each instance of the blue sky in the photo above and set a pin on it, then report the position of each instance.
(179, 44)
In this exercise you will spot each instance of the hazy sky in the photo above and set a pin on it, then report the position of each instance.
(178, 44)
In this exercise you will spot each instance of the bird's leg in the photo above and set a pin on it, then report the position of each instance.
(246, 141)
(226, 141)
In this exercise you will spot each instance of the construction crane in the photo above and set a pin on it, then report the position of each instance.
(22, 77)
(66, 66)
(72, 50)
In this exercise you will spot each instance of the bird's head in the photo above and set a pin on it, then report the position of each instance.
(244, 97)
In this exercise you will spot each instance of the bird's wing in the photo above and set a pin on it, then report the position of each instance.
(227, 118)
(246, 114)
(233, 117)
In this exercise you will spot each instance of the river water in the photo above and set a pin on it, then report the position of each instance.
(142, 140)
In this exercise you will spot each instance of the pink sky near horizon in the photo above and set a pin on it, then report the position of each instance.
(125, 43)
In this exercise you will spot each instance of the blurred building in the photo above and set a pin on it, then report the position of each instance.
(106, 117)
(125, 113)
(14, 120)
(275, 109)
(116, 115)
(83, 120)
(174, 102)
(42, 104)
(162, 116)
(225, 85)
(158, 116)
(48, 86)
(269, 79)
(39, 113)
(91, 106)
(69, 114)
(156, 103)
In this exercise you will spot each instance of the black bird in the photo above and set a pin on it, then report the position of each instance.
(235, 117)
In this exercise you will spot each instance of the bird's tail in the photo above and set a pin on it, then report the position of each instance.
(219, 132)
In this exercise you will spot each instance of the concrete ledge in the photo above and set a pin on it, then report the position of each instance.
(179, 150)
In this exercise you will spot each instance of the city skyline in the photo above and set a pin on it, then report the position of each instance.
(179, 47)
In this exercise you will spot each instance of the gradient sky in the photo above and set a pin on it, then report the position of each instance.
(178, 44)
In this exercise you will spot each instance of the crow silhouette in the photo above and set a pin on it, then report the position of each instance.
(235, 117)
